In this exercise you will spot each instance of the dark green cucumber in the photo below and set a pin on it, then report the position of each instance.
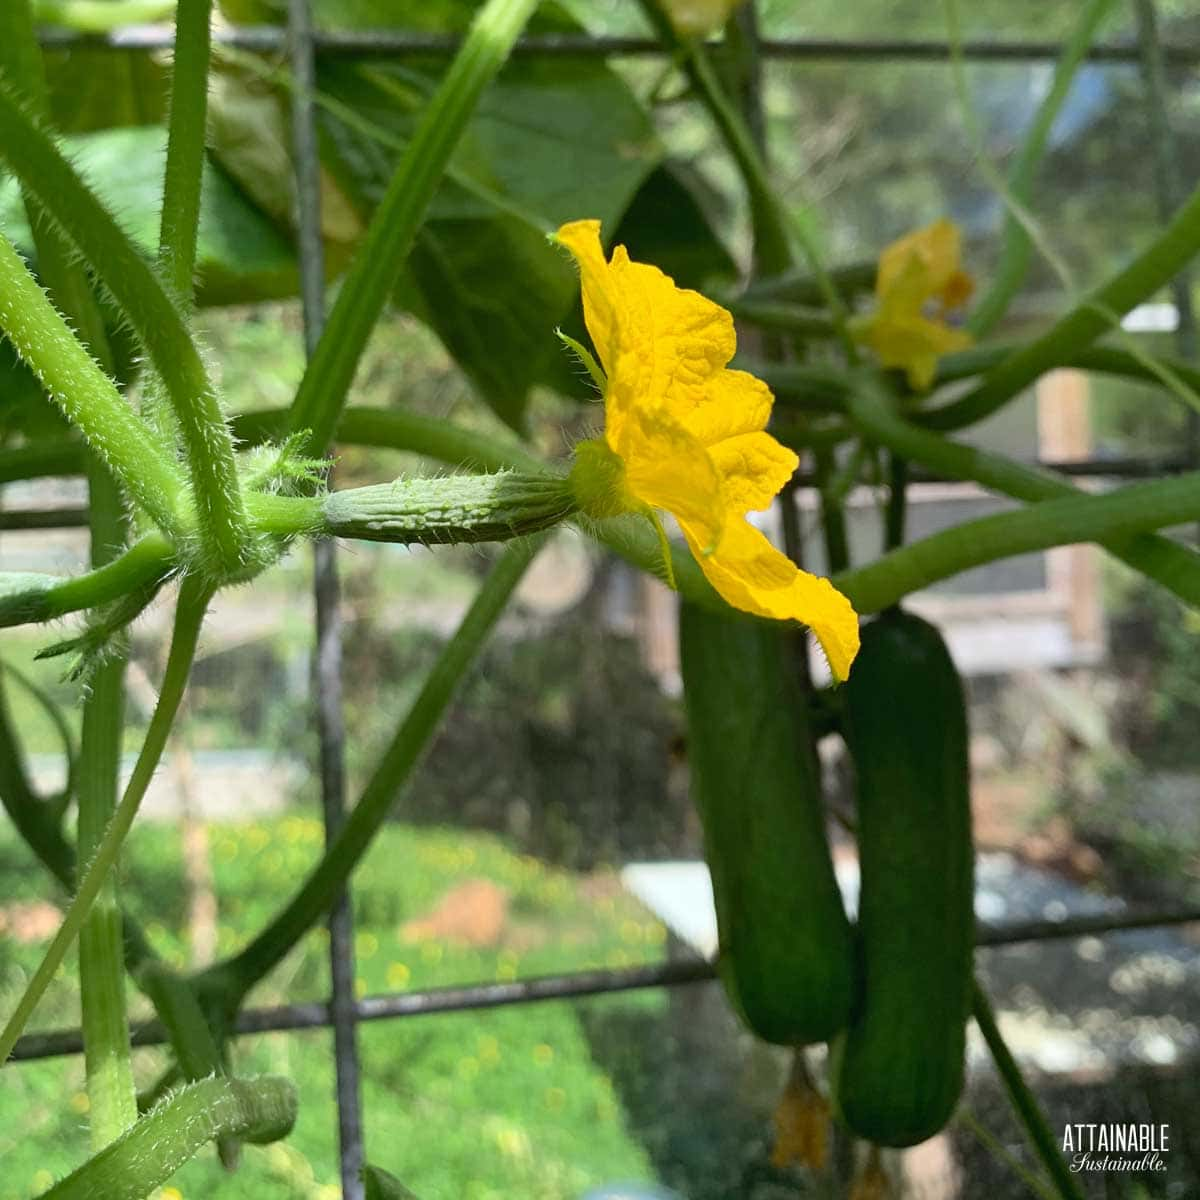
(786, 953)
(899, 1071)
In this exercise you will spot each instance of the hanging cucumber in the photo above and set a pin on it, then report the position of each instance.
(899, 1070)
(786, 955)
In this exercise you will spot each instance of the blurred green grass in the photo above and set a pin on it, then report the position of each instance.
(482, 1105)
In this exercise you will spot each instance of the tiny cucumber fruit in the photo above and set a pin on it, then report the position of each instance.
(786, 954)
(898, 1071)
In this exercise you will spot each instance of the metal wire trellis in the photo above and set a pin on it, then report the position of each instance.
(327, 658)
(573, 986)
(303, 45)
(386, 43)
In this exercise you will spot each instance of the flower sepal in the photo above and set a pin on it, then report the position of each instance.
(597, 481)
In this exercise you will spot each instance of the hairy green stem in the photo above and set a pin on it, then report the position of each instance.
(87, 397)
(1154, 267)
(189, 614)
(185, 147)
(235, 977)
(380, 258)
(1134, 509)
(1170, 563)
(113, 1099)
(1016, 247)
(1024, 1103)
(156, 320)
(258, 1110)
(174, 1000)
(26, 600)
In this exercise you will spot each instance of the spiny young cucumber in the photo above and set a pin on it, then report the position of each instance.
(899, 1071)
(451, 508)
(786, 953)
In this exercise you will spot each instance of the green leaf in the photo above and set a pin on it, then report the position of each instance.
(493, 294)
(552, 141)
(93, 89)
(24, 408)
(241, 256)
(668, 224)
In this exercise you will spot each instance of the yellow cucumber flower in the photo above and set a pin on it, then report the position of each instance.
(920, 280)
(686, 434)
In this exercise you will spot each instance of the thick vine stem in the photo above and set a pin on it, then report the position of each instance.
(1100, 312)
(185, 146)
(105, 1021)
(136, 289)
(381, 256)
(258, 1110)
(86, 396)
(1134, 509)
(1167, 562)
(27, 599)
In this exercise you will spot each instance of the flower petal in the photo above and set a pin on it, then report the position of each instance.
(659, 344)
(753, 467)
(734, 402)
(750, 574)
(666, 467)
(936, 249)
(911, 342)
(601, 299)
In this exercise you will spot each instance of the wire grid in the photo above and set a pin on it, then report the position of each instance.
(343, 1011)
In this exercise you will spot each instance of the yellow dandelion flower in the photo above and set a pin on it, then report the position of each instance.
(686, 434)
(919, 282)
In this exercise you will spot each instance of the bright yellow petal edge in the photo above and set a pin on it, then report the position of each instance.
(686, 434)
